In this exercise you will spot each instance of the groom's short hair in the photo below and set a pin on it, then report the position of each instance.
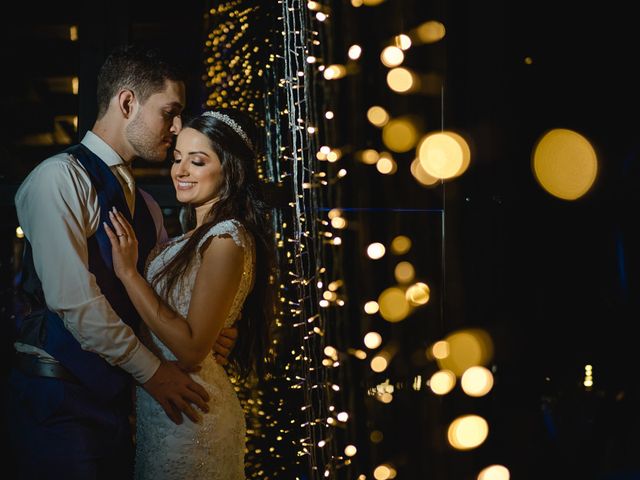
(142, 70)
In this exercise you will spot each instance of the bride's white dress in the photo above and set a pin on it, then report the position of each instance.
(213, 448)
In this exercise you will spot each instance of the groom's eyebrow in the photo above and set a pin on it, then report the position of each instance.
(175, 105)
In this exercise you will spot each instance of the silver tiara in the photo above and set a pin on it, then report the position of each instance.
(232, 123)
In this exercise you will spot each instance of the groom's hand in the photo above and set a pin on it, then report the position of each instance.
(224, 344)
(176, 392)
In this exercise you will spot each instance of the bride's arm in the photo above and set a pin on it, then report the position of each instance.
(190, 339)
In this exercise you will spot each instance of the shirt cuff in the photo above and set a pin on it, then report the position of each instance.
(142, 365)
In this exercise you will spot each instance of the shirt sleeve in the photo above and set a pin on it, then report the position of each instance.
(52, 211)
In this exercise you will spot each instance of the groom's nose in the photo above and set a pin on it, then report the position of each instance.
(176, 125)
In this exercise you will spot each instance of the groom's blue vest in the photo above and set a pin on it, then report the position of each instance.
(95, 373)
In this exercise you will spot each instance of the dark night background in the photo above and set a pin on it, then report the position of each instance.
(554, 282)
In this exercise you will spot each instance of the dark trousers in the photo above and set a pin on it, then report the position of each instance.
(59, 430)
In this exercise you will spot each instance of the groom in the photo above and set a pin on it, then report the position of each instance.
(77, 353)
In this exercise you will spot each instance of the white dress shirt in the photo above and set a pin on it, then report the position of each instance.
(58, 210)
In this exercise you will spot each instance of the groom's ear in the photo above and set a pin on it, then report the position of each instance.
(126, 102)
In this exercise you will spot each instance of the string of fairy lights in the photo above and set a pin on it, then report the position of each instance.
(256, 58)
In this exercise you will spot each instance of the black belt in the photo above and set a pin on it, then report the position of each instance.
(36, 367)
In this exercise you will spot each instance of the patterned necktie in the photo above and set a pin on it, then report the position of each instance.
(129, 186)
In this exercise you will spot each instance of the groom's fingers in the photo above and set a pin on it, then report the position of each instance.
(197, 395)
(186, 408)
(172, 412)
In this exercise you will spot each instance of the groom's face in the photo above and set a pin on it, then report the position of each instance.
(156, 123)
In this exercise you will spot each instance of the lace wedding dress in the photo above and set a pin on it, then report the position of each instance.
(213, 448)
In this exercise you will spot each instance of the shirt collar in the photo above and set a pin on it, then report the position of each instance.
(102, 149)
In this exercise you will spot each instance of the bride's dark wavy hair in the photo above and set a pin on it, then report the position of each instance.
(240, 199)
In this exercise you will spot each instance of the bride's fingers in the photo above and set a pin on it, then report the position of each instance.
(126, 226)
(116, 225)
(112, 236)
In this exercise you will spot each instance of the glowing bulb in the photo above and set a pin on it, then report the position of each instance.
(372, 340)
(354, 52)
(350, 450)
(371, 307)
(376, 251)
(391, 57)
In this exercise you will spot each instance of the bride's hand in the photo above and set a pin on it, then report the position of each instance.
(124, 245)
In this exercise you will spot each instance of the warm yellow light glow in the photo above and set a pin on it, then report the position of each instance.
(376, 436)
(19, 232)
(477, 381)
(421, 176)
(354, 52)
(402, 41)
(467, 432)
(371, 307)
(369, 156)
(386, 165)
(357, 3)
(528, 60)
(372, 3)
(440, 155)
(330, 351)
(321, 17)
(328, 115)
(418, 294)
(466, 151)
(334, 155)
(378, 116)
(381, 473)
(75, 84)
(350, 450)
(404, 272)
(376, 251)
(394, 306)
(430, 32)
(391, 56)
(400, 245)
(400, 135)
(372, 340)
(379, 363)
(440, 349)
(338, 222)
(565, 164)
(467, 348)
(360, 355)
(333, 72)
(311, 59)
(334, 212)
(331, 296)
(73, 33)
(442, 382)
(494, 472)
(402, 80)
(313, 6)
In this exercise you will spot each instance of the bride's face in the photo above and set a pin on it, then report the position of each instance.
(196, 171)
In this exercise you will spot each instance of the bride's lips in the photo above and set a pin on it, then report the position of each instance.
(181, 185)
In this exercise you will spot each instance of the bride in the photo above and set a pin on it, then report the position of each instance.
(197, 283)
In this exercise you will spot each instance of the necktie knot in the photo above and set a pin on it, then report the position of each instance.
(129, 185)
